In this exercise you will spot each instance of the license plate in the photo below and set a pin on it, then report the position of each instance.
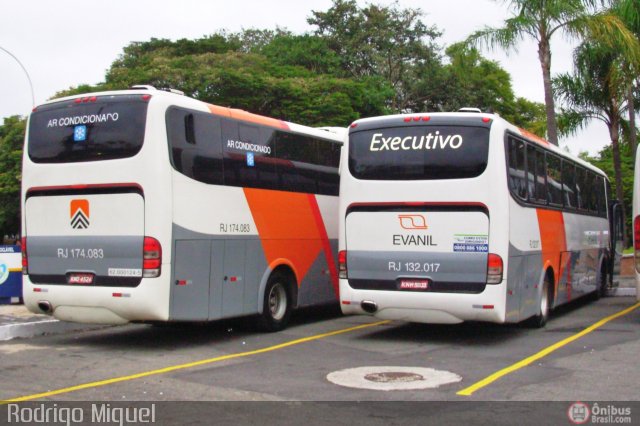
(419, 285)
(80, 279)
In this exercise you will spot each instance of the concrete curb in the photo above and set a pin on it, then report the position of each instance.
(42, 327)
(623, 291)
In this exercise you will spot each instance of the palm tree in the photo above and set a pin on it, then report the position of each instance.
(540, 20)
(629, 12)
(597, 90)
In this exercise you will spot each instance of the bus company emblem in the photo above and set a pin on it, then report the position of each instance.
(412, 221)
(79, 213)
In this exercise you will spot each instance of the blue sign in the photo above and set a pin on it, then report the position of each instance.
(80, 133)
(250, 159)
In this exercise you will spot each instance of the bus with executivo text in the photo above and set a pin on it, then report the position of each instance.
(451, 217)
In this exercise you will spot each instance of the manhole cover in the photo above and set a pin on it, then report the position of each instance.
(392, 378)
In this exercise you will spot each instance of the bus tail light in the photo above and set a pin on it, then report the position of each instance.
(151, 258)
(25, 260)
(494, 269)
(636, 241)
(342, 264)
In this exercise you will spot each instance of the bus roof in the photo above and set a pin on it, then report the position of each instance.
(238, 114)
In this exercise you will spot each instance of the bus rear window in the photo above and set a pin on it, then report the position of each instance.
(419, 152)
(104, 128)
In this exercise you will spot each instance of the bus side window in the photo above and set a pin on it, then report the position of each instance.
(554, 180)
(296, 158)
(593, 192)
(581, 184)
(569, 184)
(537, 175)
(329, 159)
(517, 181)
(600, 195)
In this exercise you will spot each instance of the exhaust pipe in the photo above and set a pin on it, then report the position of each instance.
(45, 307)
(369, 306)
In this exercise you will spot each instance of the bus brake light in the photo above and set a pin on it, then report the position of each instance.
(494, 269)
(25, 260)
(342, 264)
(151, 258)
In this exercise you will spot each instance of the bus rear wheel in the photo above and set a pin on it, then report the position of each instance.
(276, 308)
(540, 320)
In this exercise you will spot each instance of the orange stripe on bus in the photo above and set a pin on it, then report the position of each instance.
(287, 227)
(326, 245)
(239, 114)
(553, 239)
(532, 136)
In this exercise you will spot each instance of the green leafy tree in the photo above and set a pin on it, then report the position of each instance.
(540, 20)
(291, 79)
(381, 41)
(629, 12)
(474, 81)
(11, 141)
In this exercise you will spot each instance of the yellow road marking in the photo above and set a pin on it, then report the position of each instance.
(190, 364)
(546, 351)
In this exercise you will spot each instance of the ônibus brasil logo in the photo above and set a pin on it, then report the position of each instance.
(578, 413)
(79, 213)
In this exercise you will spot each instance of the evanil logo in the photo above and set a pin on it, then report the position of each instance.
(415, 143)
(79, 213)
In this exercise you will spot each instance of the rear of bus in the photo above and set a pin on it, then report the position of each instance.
(96, 208)
(423, 218)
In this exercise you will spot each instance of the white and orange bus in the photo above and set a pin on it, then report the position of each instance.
(147, 205)
(451, 217)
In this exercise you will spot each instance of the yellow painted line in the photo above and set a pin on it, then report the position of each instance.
(190, 364)
(546, 351)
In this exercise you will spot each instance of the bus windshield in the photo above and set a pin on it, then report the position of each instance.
(88, 129)
(419, 152)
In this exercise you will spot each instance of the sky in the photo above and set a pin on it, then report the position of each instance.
(64, 43)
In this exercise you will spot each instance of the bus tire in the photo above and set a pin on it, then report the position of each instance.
(277, 303)
(603, 282)
(540, 319)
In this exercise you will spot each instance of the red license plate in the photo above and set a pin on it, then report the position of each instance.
(81, 279)
(419, 285)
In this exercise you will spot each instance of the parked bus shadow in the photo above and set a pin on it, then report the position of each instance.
(467, 333)
(180, 335)
(477, 333)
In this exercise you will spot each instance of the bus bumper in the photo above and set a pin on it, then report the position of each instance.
(427, 307)
(149, 301)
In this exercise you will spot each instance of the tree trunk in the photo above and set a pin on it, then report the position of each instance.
(632, 122)
(614, 133)
(544, 54)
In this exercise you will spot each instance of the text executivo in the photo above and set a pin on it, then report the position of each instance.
(415, 143)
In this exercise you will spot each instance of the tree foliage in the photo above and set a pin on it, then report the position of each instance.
(11, 141)
(540, 20)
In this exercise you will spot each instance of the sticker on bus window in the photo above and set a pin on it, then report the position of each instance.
(471, 243)
(80, 133)
(250, 159)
